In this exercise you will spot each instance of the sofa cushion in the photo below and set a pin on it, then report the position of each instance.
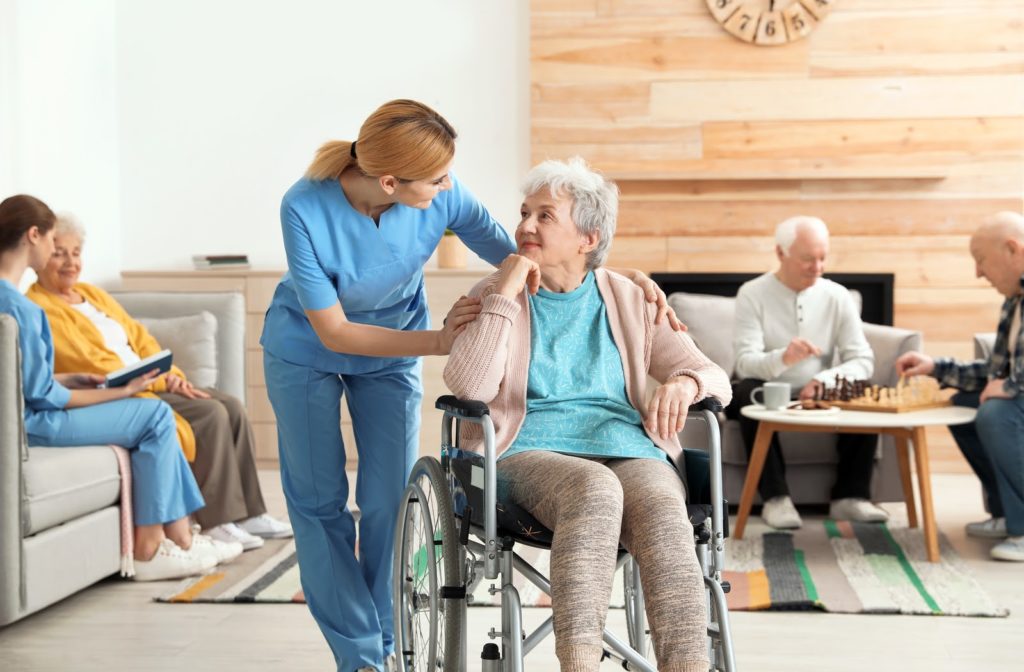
(193, 340)
(62, 484)
(709, 319)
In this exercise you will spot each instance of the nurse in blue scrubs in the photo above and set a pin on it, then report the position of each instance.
(350, 319)
(67, 410)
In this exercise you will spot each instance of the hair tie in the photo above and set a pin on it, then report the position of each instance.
(352, 149)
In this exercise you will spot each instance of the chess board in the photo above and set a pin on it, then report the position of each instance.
(915, 394)
(858, 405)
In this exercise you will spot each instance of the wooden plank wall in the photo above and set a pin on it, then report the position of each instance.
(899, 123)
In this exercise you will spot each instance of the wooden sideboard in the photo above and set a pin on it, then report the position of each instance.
(257, 286)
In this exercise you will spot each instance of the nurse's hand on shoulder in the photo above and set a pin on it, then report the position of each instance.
(516, 272)
(654, 294)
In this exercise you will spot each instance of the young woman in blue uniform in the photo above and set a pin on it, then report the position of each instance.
(350, 318)
(68, 410)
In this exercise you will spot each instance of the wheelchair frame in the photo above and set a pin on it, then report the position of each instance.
(464, 562)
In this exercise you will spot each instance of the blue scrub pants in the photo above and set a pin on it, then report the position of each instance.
(994, 447)
(349, 597)
(163, 488)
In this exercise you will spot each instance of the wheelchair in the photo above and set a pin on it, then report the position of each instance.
(452, 533)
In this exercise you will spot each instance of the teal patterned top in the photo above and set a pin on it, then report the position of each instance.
(576, 399)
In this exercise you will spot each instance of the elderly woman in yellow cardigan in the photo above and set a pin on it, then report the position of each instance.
(93, 333)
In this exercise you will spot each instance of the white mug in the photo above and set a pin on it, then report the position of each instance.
(776, 395)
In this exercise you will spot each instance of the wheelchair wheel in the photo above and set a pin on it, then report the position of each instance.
(428, 558)
(636, 617)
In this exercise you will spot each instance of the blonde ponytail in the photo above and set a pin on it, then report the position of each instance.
(331, 160)
(402, 138)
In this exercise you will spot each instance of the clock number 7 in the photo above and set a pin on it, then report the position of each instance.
(745, 21)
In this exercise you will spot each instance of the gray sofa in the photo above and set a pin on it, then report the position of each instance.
(810, 458)
(59, 515)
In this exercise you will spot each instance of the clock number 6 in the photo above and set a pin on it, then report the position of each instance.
(769, 28)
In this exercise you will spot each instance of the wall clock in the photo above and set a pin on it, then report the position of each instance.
(769, 22)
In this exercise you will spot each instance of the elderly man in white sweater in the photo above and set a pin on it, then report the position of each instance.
(790, 325)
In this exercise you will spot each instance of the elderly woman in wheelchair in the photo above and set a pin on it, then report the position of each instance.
(561, 354)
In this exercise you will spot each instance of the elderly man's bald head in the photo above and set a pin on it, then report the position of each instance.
(1000, 227)
(998, 250)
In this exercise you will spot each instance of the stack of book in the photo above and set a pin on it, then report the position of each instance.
(208, 261)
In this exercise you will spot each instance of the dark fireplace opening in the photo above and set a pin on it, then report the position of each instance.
(876, 289)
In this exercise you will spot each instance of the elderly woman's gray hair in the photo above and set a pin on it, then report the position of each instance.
(68, 224)
(787, 230)
(595, 204)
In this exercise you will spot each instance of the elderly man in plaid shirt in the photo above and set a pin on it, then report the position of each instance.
(994, 443)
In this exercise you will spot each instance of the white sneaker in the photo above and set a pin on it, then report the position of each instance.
(858, 510)
(1012, 550)
(993, 528)
(231, 533)
(222, 551)
(173, 562)
(780, 513)
(391, 663)
(266, 526)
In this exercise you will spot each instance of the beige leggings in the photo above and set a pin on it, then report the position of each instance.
(591, 505)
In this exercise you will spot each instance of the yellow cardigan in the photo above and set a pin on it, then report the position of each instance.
(78, 346)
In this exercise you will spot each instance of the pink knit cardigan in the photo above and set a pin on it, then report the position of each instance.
(490, 360)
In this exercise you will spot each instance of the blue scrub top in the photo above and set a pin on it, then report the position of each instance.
(338, 254)
(42, 391)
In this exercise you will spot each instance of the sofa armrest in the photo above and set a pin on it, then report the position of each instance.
(13, 452)
(227, 307)
(888, 343)
(983, 344)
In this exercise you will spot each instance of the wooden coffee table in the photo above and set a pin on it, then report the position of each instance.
(906, 428)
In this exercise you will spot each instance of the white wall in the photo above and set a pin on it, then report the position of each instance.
(222, 104)
(58, 114)
(172, 129)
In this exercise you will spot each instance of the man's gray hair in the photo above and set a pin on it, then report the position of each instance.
(787, 230)
(68, 224)
(595, 204)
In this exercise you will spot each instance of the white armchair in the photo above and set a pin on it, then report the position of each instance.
(810, 458)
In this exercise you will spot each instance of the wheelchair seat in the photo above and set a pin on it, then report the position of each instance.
(516, 522)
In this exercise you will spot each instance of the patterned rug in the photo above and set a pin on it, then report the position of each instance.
(827, 565)
(852, 568)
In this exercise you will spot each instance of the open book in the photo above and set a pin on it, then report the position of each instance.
(121, 377)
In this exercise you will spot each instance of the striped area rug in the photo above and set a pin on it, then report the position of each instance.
(847, 567)
(268, 574)
(827, 565)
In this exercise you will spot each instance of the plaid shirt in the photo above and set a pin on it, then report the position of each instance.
(973, 376)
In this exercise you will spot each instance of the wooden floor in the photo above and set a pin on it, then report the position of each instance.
(115, 626)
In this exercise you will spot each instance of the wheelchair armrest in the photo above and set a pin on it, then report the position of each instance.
(708, 404)
(461, 408)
